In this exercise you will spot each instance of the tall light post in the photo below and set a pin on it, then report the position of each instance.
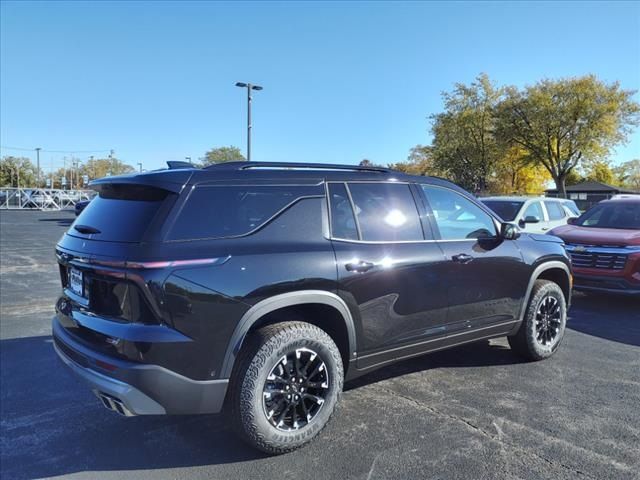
(188, 159)
(38, 167)
(249, 87)
(140, 166)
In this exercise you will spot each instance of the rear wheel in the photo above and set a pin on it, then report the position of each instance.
(542, 328)
(285, 386)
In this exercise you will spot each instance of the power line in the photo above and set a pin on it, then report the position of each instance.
(105, 150)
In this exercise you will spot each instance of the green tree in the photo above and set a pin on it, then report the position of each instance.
(102, 167)
(515, 175)
(419, 162)
(600, 171)
(573, 177)
(17, 172)
(564, 123)
(628, 174)
(222, 154)
(93, 168)
(464, 145)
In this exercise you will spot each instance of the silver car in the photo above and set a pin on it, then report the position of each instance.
(532, 214)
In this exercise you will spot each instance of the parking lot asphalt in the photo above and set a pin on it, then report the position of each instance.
(474, 412)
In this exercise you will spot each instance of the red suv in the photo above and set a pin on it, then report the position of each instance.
(604, 244)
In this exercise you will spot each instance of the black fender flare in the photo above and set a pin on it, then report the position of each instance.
(535, 275)
(276, 302)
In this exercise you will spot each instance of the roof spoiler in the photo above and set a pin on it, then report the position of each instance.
(170, 180)
(175, 164)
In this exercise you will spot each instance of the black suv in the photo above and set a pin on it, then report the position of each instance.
(262, 287)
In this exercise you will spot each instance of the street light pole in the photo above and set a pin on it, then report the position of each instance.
(140, 165)
(249, 88)
(38, 167)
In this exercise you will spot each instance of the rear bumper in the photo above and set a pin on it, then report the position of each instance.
(605, 284)
(138, 389)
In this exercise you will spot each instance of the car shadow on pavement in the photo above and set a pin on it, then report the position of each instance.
(62, 221)
(484, 353)
(53, 425)
(608, 316)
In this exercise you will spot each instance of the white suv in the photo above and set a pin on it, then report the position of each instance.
(535, 215)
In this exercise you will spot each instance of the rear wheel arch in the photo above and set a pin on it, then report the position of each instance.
(321, 308)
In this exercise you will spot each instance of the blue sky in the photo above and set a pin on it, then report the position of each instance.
(342, 81)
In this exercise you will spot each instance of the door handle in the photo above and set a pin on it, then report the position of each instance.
(544, 229)
(462, 258)
(360, 266)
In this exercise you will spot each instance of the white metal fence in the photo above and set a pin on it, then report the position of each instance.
(41, 198)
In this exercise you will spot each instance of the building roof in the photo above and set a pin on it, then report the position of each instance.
(589, 186)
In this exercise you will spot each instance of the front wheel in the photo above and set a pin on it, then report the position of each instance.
(285, 386)
(542, 328)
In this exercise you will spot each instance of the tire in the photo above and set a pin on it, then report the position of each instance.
(544, 323)
(269, 356)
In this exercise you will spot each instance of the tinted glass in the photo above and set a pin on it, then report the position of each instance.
(571, 205)
(507, 210)
(386, 212)
(343, 223)
(555, 211)
(457, 217)
(120, 213)
(615, 214)
(229, 211)
(534, 210)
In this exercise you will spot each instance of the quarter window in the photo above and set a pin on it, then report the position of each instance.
(343, 222)
(386, 212)
(457, 217)
(230, 211)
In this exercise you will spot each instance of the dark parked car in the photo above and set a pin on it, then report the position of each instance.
(80, 206)
(604, 244)
(265, 286)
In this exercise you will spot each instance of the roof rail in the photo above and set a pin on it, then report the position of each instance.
(295, 166)
(173, 164)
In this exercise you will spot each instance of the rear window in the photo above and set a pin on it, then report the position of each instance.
(507, 210)
(119, 213)
(224, 211)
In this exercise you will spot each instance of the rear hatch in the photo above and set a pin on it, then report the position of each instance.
(120, 225)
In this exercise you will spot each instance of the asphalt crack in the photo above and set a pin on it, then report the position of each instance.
(480, 430)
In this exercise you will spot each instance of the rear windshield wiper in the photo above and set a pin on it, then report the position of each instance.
(86, 229)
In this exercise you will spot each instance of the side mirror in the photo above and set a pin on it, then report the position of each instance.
(509, 231)
(572, 220)
(531, 219)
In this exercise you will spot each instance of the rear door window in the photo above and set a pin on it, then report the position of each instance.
(386, 212)
(224, 211)
(555, 211)
(119, 213)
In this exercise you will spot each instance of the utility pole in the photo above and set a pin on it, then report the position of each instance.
(249, 88)
(111, 162)
(38, 167)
